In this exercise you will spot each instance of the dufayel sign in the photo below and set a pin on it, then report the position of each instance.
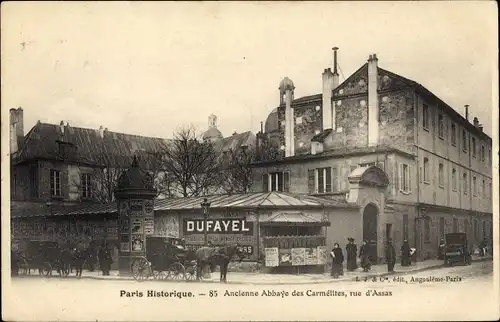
(217, 226)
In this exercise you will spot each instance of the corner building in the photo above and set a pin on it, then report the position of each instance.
(436, 165)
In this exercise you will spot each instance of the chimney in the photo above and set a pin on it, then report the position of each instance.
(476, 122)
(335, 64)
(13, 131)
(327, 109)
(61, 127)
(286, 90)
(20, 128)
(101, 131)
(373, 101)
(467, 112)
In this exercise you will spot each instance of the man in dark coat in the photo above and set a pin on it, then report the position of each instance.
(352, 252)
(390, 256)
(364, 255)
(337, 261)
(441, 249)
(405, 254)
(105, 259)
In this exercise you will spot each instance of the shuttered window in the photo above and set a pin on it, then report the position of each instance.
(404, 178)
(310, 180)
(276, 181)
(321, 180)
(55, 183)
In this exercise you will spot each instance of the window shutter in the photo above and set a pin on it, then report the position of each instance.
(52, 190)
(335, 183)
(265, 182)
(64, 183)
(400, 176)
(328, 179)
(310, 181)
(286, 179)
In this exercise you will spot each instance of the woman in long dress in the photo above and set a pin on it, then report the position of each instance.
(337, 260)
(352, 252)
(364, 255)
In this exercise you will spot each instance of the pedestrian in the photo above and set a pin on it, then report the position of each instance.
(405, 254)
(364, 255)
(337, 261)
(441, 249)
(105, 259)
(351, 251)
(390, 256)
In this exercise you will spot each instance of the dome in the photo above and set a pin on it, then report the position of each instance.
(135, 179)
(212, 133)
(272, 124)
(286, 83)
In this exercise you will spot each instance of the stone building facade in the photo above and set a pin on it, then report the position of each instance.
(438, 163)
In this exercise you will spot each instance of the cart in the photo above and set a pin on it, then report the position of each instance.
(44, 256)
(456, 249)
(166, 259)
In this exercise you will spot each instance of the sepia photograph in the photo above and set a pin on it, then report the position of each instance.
(250, 161)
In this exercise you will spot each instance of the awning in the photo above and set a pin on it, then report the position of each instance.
(295, 219)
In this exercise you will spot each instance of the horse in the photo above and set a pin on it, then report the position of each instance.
(73, 256)
(217, 256)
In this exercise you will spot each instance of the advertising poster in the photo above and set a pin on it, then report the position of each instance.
(136, 225)
(124, 225)
(272, 256)
(148, 207)
(149, 225)
(322, 255)
(124, 207)
(124, 243)
(285, 257)
(311, 256)
(298, 256)
(137, 243)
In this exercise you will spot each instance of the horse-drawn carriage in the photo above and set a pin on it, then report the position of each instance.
(166, 258)
(43, 255)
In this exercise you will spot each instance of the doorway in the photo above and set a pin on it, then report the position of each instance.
(370, 215)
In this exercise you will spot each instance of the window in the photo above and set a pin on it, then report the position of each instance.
(425, 116)
(404, 178)
(465, 187)
(366, 165)
(474, 186)
(33, 170)
(483, 191)
(426, 170)
(473, 147)
(86, 185)
(464, 140)
(405, 227)
(440, 126)
(483, 154)
(455, 225)
(454, 179)
(276, 181)
(323, 180)
(55, 183)
(427, 229)
(453, 134)
(441, 175)
(442, 232)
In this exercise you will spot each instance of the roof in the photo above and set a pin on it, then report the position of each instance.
(212, 133)
(264, 200)
(113, 148)
(295, 218)
(235, 141)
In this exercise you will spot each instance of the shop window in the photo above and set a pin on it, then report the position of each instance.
(55, 183)
(453, 134)
(426, 170)
(276, 181)
(425, 117)
(404, 178)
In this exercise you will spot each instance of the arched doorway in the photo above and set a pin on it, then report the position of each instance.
(370, 216)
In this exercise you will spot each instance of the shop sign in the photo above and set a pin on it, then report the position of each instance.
(311, 256)
(221, 239)
(218, 226)
(298, 256)
(272, 256)
(285, 257)
(322, 255)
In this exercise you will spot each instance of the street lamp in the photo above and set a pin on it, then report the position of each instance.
(205, 207)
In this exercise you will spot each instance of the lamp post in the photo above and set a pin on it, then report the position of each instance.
(205, 207)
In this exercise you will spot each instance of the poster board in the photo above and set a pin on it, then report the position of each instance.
(298, 256)
(272, 256)
(311, 256)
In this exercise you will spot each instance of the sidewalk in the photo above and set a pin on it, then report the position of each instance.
(290, 279)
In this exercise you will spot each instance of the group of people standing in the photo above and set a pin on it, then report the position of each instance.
(365, 257)
(352, 255)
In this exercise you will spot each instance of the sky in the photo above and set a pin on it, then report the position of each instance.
(150, 68)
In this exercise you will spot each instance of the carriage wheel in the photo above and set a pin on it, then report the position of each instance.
(161, 275)
(23, 268)
(191, 272)
(46, 269)
(141, 269)
(177, 271)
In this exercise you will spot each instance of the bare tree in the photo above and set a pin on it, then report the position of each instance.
(192, 167)
(237, 169)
